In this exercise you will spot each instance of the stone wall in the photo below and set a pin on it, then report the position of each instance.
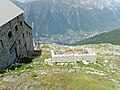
(21, 40)
(73, 57)
(29, 38)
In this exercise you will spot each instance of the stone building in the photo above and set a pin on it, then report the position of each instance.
(15, 34)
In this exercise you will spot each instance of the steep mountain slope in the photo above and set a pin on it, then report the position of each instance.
(109, 37)
(52, 18)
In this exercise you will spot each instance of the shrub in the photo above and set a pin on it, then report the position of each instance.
(26, 60)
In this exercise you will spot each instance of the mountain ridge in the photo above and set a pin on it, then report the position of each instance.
(55, 17)
(108, 37)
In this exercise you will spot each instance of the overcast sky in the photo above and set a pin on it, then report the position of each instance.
(33, 0)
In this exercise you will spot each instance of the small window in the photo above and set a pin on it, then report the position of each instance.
(27, 32)
(21, 23)
(23, 35)
(19, 42)
(16, 28)
(9, 34)
(1, 44)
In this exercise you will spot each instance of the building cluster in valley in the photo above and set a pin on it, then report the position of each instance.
(15, 34)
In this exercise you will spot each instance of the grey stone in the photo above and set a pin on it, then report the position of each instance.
(15, 41)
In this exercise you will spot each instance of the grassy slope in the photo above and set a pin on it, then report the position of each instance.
(53, 81)
(28, 77)
(77, 81)
(112, 37)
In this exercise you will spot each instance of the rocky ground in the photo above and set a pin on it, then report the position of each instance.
(37, 75)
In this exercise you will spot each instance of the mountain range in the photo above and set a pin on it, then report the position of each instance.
(69, 21)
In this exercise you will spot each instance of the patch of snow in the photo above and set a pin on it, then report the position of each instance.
(106, 61)
(97, 73)
(36, 63)
(48, 60)
(85, 62)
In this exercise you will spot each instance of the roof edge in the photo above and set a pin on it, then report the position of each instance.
(11, 19)
(27, 24)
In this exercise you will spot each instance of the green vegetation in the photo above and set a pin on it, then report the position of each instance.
(112, 37)
(63, 80)
(27, 63)
(75, 81)
(46, 47)
(26, 60)
(34, 74)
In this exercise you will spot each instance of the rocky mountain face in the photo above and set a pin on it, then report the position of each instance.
(69, 21)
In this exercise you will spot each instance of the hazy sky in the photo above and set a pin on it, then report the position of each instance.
(117, 0)
(33, 0)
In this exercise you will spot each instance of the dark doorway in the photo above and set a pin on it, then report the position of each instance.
(13, 52)
(9, 34)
